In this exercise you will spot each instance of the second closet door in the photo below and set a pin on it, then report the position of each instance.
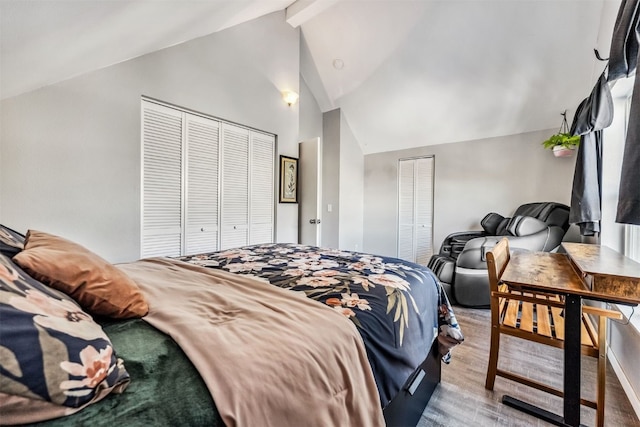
(262, 149)
(235, 186)
(415, 209)
(201, 201)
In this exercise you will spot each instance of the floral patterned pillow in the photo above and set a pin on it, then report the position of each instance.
(54, 359)
(11, 242)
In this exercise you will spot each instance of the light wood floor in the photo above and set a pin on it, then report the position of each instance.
(462, 400)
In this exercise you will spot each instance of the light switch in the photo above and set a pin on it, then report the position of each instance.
(329, 207)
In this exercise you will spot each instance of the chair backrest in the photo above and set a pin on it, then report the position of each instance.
(552, 213)
(497, 260)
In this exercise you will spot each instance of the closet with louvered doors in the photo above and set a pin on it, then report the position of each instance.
(415, 209)
(206, 184)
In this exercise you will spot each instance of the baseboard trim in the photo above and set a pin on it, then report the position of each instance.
(626, 385)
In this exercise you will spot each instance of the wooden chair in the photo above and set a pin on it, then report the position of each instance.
(538, 317)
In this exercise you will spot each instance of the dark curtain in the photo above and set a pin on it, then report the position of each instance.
(593, 114)
(587, 183)
(623, 55)
(623, 61)
(629, 192)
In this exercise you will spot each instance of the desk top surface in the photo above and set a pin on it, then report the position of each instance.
(552, 272)
(601, 260)
(544, 271)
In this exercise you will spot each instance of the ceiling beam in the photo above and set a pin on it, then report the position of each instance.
(301, 11)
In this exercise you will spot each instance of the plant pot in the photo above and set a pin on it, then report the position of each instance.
(560, 151)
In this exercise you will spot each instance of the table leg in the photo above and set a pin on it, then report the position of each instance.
(572, 332)
(536, 411)
(572, 355)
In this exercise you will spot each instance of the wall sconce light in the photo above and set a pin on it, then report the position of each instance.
(290, 97)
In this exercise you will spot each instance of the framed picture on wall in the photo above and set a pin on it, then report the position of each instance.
(288, 179)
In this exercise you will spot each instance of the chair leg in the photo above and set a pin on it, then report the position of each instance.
(602, 369)
(492, 368)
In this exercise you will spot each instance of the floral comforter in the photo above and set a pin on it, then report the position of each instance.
(398, 307)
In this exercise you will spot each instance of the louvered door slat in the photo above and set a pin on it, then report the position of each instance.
(232, 238)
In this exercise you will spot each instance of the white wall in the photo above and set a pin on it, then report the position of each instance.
(342, 184)
(612, 233)
(309, 182)
(310, 114)
(472, 178)
(71, 151)
(331, 179)
(624, 339)
(351, 189)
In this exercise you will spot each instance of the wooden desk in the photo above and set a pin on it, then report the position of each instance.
(585, 272)
(609, 275)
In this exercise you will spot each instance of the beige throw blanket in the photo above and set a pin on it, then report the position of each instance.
(269, 357)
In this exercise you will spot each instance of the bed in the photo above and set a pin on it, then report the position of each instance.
(289, 331)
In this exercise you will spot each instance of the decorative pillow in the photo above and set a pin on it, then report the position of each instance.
(11, 242)
(54, 359)
(98, 286)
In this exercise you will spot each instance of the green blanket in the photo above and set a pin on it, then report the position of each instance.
(165, 388)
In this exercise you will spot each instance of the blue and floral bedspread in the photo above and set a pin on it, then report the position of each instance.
(398, 307)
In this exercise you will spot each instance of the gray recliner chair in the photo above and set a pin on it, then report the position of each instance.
(461, 263)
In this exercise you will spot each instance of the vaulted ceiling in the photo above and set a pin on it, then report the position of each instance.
(413, 72)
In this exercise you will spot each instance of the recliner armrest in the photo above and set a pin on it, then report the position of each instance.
(474, 254)
(455, 242)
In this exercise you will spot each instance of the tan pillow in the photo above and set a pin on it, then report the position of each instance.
(98, 286)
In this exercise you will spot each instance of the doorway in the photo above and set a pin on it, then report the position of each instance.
(310, 194)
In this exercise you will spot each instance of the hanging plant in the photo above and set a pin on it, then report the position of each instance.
(563, 140)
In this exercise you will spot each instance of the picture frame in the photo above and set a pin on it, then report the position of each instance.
(288, 180)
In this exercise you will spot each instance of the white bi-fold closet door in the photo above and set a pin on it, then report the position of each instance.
(202, 139)
(415, 209)
(247, 187)
(206, 184)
